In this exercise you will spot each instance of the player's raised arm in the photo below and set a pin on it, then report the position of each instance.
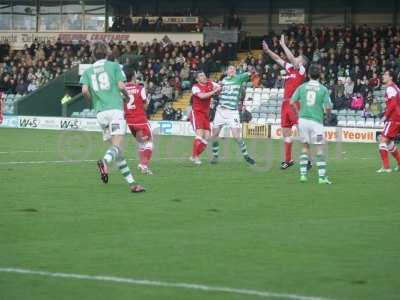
(146, 99)
(121, 78)
(295, 98)
(273, 55)
(287, 51)
(85, 81)
(86, 93)
(121, 86)
(202, 79)
(196, 91)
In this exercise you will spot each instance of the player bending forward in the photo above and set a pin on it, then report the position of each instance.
(296, 74)
(103, 84)
(392, 124)
(227, 113)
(202, 91)
(136, 117)
(314, 99)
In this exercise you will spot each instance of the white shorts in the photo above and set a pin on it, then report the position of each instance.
(226, 117)
(112, 122)
(311, 132)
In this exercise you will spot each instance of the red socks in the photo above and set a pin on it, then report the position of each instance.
(395, 152)
(199, 145)
(383, 151)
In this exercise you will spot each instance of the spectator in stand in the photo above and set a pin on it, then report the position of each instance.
(178, 114)
(348, 87)
(143, 24)
(169, 112)
(158, 26)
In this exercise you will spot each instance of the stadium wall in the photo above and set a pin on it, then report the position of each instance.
(17, 40)
(178, 128)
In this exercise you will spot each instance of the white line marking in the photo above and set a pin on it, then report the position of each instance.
(178, 285)
(39, 162)
(26, 151)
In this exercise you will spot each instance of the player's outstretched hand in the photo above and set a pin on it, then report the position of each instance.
(265, 46)
(282, 40)
(217, 89)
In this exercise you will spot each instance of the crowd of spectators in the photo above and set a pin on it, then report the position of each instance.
(152, 24)
(166, 69)
(23, 71)
(353, 59)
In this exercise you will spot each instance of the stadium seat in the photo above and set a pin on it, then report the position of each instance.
(342, 120)
(274, 91)
(360, 121)
(351, 121)
(379, 123)
(261, 121)
(370, 122)
(271, 118)
(75, 114)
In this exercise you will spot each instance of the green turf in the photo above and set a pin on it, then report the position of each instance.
(225, 225)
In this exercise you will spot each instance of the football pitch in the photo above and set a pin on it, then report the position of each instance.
(211, 232)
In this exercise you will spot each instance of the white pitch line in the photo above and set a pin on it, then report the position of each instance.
(72, 161)
(26, 151)
(178, 285)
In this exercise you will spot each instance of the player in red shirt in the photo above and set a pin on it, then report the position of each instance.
(136, 118)
(296, 74)
(202, 91)
(391, 118)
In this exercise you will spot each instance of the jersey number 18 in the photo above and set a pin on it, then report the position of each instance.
(100, 82)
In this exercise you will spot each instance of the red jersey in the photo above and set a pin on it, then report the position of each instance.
(293, 80)
(202, 105)
(135, 112)
(392, 96)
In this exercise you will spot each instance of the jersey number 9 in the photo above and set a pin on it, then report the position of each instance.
(311, 98)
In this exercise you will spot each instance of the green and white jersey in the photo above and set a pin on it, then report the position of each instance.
(231, 90)
(102, 78)
(314, 99)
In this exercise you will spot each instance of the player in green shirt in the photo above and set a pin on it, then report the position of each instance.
(103, 84)
(227, 113)
(314, 101)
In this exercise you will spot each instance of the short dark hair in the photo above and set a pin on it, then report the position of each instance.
(392, 74)
(314, 71)
(99, 50)
(129, 75)
(199, 72)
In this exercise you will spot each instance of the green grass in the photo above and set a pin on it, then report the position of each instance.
(225, 225)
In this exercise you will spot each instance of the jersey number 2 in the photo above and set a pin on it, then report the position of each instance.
(311, 98)
(100, 82)
(131, 103)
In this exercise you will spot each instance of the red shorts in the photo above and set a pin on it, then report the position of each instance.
(144, 129)
(391, 130)
(200, 120)
(289, 117)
